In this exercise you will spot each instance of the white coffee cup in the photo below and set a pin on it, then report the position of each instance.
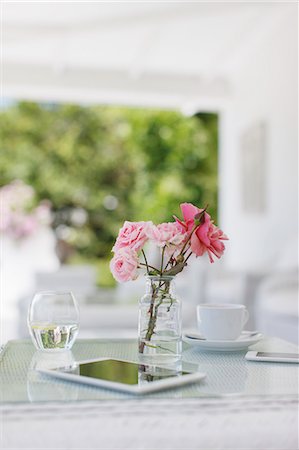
(221, 322)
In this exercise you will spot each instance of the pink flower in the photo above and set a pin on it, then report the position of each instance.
(208, 240)
(207, 237)
(19, 218)
(169, 234)
(132, 235)
(124, 265)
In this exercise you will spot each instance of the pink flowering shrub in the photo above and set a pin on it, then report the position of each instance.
(195, 235)
(19, 218)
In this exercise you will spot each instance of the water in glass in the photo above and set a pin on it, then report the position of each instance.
(53, 320)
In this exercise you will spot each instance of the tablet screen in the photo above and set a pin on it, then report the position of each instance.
(123, 372)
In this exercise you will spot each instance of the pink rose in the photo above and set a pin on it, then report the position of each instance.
(169, 233)
(132, 235)
(124, 265)
(207, 237)
(208, 240)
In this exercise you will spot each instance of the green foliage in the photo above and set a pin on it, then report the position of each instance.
(78, 157)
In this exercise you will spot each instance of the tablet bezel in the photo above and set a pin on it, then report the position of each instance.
(253, 356)
(158, 385)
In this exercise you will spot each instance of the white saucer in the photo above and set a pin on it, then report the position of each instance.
(243, 342)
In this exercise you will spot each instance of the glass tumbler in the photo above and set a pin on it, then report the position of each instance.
(53, 320)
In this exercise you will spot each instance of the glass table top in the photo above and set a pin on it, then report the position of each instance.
(227, 373)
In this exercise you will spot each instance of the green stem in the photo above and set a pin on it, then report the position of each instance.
(169, 260)
(188, 257)
(162, 260)
(189, 238)
(147, 266)
(153, 311)
(145, 261)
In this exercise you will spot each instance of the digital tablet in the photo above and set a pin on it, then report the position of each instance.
(272, 357)
(124, 376)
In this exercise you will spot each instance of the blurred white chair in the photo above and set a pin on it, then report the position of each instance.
(105, 320)
(80, 279)
(19, 262)
(276, 305)
(222, 285)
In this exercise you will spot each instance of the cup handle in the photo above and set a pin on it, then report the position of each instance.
(246, 317)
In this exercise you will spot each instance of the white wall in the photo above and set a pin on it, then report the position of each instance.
(264, 89)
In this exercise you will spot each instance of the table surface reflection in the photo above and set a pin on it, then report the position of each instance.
(228, 373)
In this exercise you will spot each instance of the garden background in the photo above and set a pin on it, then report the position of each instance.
(101, 165)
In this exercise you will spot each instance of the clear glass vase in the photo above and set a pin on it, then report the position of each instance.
(159, 325)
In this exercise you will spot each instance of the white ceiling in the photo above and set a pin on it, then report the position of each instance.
(171, 54)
